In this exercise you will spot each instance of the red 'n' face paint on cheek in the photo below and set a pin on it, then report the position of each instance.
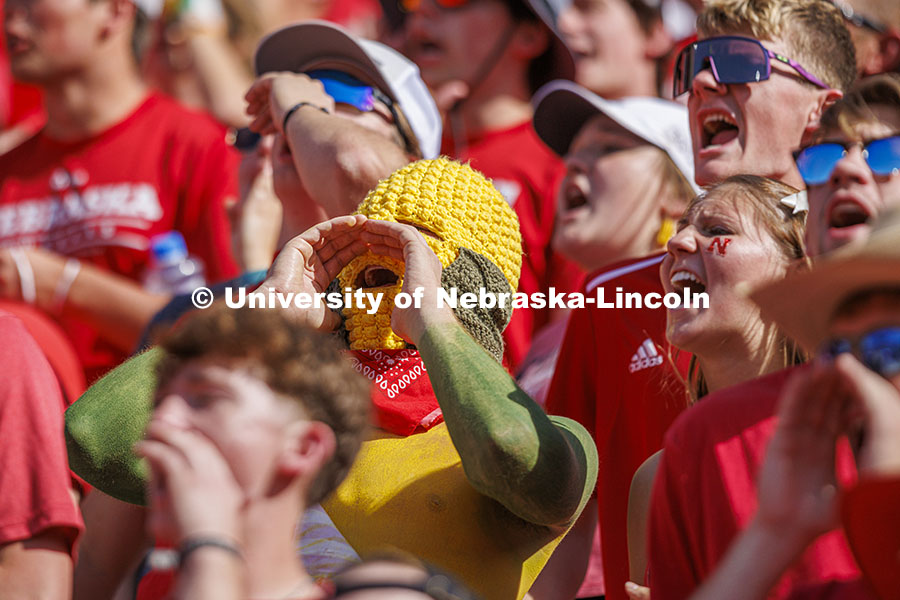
(718, 245)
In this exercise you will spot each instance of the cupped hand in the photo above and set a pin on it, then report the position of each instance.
(423, 270)
(309, 262)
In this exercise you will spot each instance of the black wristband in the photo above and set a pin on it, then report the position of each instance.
(196, 542)
(295, 108)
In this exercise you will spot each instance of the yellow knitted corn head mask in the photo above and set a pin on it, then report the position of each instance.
(462, 210)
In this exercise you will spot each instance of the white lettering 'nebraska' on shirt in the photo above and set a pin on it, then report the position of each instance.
(96, 205)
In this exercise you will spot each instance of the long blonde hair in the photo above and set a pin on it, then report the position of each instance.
(786, 228)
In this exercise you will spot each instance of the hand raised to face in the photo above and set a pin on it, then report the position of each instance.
(273, 94)
(423, 271)
(309, 262)
(192, 489)
(875, 406)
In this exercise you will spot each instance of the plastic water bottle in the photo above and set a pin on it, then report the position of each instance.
(171, 269)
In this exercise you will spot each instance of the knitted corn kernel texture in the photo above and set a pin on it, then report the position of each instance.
(460, 207)
(456, 203)
(371, 331)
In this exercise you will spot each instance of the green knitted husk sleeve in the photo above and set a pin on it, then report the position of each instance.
(105, 423)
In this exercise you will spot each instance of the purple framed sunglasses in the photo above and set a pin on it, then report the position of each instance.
(732, 59)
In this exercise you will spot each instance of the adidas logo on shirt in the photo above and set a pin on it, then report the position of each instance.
(646, 356)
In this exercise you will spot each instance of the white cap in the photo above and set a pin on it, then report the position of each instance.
(562, 108)
(322, 45)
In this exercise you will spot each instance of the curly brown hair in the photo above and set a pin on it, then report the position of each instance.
(294, 361)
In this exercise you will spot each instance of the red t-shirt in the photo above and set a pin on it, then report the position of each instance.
(705, 494)
(101, 199)
(34, 470)
(615, 377)
(57, 348)
(872, 523)
(527, 173)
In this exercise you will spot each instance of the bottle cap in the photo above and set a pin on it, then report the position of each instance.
(168, 247)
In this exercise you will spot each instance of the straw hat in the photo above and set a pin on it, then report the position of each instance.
(804, 303)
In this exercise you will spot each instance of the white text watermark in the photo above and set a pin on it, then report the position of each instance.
(451, 297)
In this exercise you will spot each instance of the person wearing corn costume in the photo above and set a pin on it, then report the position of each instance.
(464, 470)
(418, 491)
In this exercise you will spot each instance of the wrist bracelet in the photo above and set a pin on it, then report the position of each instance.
(70, 272)
(294, 109)
(26, 275)
(191, 544)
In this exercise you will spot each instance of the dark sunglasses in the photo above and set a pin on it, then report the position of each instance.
(817, 162)
(732, 59)
(411, 6)
(245, 140)
(878, 349)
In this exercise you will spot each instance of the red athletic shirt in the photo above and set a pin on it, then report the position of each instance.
(162, 168)
(34, 471)
(527, 173)
(54, 344)
(872, 522)
(705, 494)
(614, 377)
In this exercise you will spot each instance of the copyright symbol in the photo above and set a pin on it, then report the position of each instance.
(202, 297)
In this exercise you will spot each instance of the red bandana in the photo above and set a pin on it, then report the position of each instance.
(401, 391)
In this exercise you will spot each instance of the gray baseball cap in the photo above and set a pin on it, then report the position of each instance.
(322, 45)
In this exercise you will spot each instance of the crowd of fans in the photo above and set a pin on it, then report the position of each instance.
(153, 446)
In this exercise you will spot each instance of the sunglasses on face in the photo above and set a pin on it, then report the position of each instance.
(732, 59)
(879, 350)
(817, 162)
(245, 140)
(346, 89)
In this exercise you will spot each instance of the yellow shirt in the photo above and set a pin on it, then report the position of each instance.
(410, 494)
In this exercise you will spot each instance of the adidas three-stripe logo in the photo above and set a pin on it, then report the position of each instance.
(646, 356)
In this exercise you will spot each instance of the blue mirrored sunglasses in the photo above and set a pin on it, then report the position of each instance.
(817, 162)
(346, 89)
(349, 90)
(878, 349)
